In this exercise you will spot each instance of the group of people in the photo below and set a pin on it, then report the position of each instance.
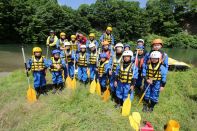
(110, 64)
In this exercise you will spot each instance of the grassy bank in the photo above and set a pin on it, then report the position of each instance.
(81, 111)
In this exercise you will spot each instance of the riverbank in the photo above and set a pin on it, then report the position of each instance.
(82, 111)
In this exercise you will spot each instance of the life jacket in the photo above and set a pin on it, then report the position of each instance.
(107, 38)
(51, 39)
(108, 54)
(37, 65)
(116, 62)
(62, 42)
(126, 75)
(82, 60)
(154, 73)
(92, 58)
(68, 56)
(101, 68)
(140, 62)
(74, 45)
(54, 63)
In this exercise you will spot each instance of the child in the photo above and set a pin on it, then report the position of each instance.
(116, 59)
(38, 65)
(56, 67)
(74, 44)
(103, 71)
(155, 80)
(157, 44)
(92, 41)
(127, 47)
(126, 75)
(69, 58)
(140, 61)
(60, 43)
(92, 61)
(82, 62)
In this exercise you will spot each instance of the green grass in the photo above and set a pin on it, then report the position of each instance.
(80, 110)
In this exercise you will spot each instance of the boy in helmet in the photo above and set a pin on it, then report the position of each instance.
(116, 59)
(82, 62)
(139, 61)
(155, 79)
(38, 64)
(52, 40)
(73, 42)
(126, 76)
(56, 67)
(107, 50)
(69, 59)
(91, 41)
(127, 47)
(157, 44)
(103, 71)
(60, 43)
(107, 36)
(92, 61)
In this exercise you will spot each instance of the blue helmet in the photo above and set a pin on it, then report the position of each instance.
(141, 47)
(56, 51)
(103, 55)
(127, 45)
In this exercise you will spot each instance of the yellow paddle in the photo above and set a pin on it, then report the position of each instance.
(143, 95)
(106, 94)
(68, 79)
(126, 106)
(98, 88)
(31, 93)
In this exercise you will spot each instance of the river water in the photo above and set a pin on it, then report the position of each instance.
(11, 56)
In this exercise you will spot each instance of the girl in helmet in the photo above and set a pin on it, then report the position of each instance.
(69, 59)
(73, 42)
(103, 71)
(60, 43)
(116, 59)
(38, 65)
(139, 61)
(107, 36)
(56, 67)
(155, 79)
(107, 49)
(91, 40)
(92, 61)
(82, 62)
(126, 75)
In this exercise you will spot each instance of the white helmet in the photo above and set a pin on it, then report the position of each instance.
(140, 40)
(155, 54)
(119, 45)
(92, 45)
(83, 46)
(66, 43)
(128, 53)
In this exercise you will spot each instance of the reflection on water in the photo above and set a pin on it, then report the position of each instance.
(11, 56)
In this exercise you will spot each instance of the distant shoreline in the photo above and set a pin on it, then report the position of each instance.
(4, 74)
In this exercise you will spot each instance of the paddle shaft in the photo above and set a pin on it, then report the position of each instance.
(47, 53)
(27, 74)
(143, 95)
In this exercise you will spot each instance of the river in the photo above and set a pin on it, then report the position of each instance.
(11, 56)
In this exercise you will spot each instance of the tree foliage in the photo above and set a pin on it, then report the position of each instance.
(29, 21)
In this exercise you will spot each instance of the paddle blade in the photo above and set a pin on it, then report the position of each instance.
(106, 95)
(68, 82)
(31, 94)
(93, 87)
(98, 88)
(133, 123)
(126, 108)
(74, 84)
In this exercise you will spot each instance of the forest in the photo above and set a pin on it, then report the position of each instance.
(29, 21)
